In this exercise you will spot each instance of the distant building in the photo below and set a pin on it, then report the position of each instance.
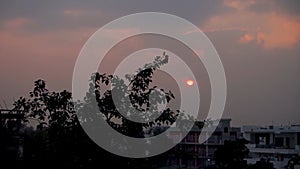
(11, 141)
(277, 143)
(196, 155)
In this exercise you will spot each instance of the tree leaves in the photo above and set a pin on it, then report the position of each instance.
(49, 108)
(61, 138)
(138, 91)
(231, 155)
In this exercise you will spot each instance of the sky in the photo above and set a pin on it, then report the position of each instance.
(258, 43)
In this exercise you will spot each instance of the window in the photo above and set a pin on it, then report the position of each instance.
(226, 130)
(287, 142)
(262, 140)
(279, 142)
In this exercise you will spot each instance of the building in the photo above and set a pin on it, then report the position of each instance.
(191, 154)
(277, 143)
(11, 141)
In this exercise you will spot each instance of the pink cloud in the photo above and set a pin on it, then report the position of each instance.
(74, 12)
(17, 23)
(281, 32)
(270, 29)
(48, 54)
(42, 44)
(247, 38)
(239, 4)
(117, 32)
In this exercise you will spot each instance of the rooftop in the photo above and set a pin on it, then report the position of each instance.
(272, 129)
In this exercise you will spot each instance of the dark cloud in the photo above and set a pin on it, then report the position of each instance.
(49, 15)
(290, 7)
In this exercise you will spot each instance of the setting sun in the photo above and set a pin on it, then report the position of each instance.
(190, 82)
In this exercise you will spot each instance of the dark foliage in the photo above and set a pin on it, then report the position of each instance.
(59, 141)
(231, 155)
(294, 161)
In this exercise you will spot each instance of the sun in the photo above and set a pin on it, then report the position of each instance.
(190, 82)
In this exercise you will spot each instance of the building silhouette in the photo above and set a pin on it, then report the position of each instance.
(276, 143)
(11, 141)
(192, 154)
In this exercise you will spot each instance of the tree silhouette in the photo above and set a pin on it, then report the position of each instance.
(59, 140)
(294, 161)
(134, 98)
(231, 155)
(58, 130)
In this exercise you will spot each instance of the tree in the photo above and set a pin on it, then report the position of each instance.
(231, 155)
(138, 92)
(295, 160)
(58, 130)
(59, 139)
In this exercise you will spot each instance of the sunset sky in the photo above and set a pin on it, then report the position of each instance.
(258, 42)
